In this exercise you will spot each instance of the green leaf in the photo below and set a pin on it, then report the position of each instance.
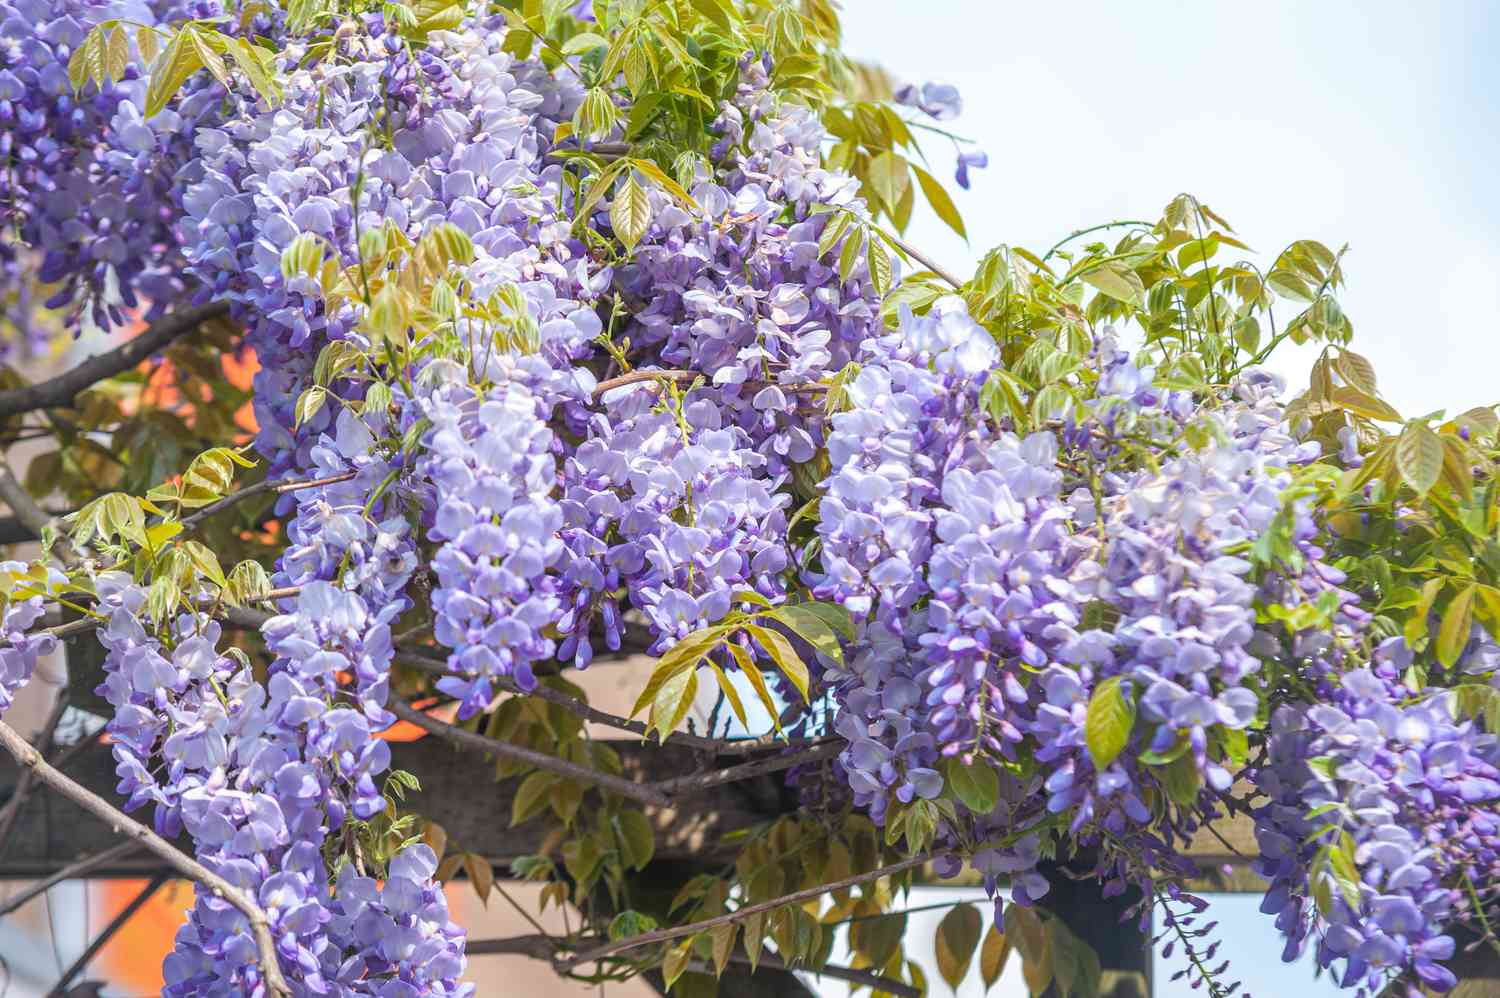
(957, 938)
(889, 177)
(810, 626)
(1182, 780)
(308, 403)
(941, 203)
(1458, 621)
(630, 213)
(584, 42)
(1023, 926)
(833, 231)
(672, 187)
(206, 562)
(849, 255)
(757, 680)
(1106, 727)
(976, 784)
(638, 838)
(878, 259)
(992, 956)
(88, 60)
(684, 655)
(730, 693)
(117, 53)
(1116, 280)
(783, 654)
(1419, 457)
(672, 700)
(149, 42)
(877, 939)
(531, 797)
(677, 960)
(1075, 964)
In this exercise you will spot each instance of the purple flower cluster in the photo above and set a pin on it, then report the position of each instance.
(89, 182)
(1408, 794)
(490, 466)
(674, 508)
(19, 650)
(738, 291)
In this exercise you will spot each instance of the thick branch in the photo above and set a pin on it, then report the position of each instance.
(78, 869)
(107, 934)
(540, 947)
(738, 915)
(460, 738)
(60, 392)
(865, 978)
(178, 860)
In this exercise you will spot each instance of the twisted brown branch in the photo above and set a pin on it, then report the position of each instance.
(102, 809)
(61, 391)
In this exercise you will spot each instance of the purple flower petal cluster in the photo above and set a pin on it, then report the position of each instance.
(490, 466)
(1407, 794)
(19, 650)
(738, 290)
(676, 511)
(89, 182)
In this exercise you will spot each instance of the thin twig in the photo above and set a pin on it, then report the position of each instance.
(911, 251)
(61, 391)
(747, 770)
(102, 809)
(260, 488)
(106, 935)
(239, 616)
(636, 377)
(80, 868)
(461, 738)
(738, 915)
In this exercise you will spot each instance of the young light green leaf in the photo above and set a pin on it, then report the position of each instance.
(810, 626)
(730, 693)
(757, 681)
(630, 213)
(937, 196)
(878, 259)
(1458, 621)
(1116, 280)
(1419, 457)
(1107, 724)
(682, 656)
(672, 700)
(783, 654)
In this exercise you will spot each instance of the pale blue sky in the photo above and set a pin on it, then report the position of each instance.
(1340, 121)
(1344, 122)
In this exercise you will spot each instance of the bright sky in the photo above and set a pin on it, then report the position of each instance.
(1338, 121)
